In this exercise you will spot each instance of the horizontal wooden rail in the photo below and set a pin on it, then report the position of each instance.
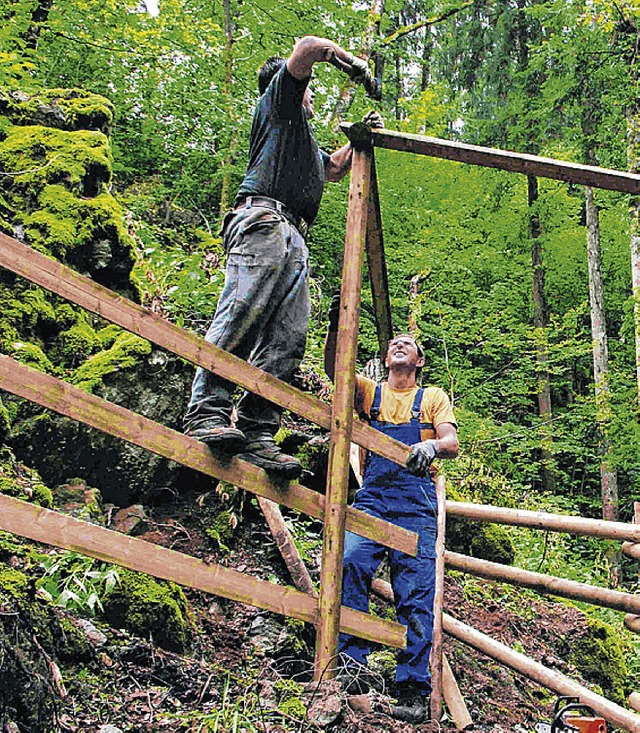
(83, 291)
(60, 530)
(535, 165)
(632, 549)
(542, 583)
(540, 674)
(70, 401)
(543, 520)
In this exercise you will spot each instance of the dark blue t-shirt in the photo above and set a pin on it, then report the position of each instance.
(285, 162)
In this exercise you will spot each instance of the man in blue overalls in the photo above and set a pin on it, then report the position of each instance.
(406, 496)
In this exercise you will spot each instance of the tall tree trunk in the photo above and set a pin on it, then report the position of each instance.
(225, 193)
(540, 322)
(608, 474)
(633, 164)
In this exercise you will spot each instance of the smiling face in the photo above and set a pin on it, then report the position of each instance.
(404, 354)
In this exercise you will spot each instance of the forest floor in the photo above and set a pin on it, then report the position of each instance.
(238, 671)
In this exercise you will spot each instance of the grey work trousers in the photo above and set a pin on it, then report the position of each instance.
(262, 316)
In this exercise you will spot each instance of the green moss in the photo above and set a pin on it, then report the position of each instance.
(71, 109)
(32, 355)
(44, 155)
(5, 422)
(22, 483)
(79, 341)
(13, 584)
(598, 656)
(289, 694)
(108, 335)
(125, 352)
(485, 541)
(149, 607)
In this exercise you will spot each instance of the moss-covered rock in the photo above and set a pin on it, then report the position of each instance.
(149, 607)
(66, 109)
(21, 482)
(597, 654)
(32, 635)
(485, 541)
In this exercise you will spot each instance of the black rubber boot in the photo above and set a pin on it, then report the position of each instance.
(413, 703)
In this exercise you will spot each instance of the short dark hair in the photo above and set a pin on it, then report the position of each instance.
(268, 70)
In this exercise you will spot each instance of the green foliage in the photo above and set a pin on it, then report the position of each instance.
(76, 582)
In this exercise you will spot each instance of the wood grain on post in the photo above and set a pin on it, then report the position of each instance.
(327, 627)
(60, 530)
(438, 602)
(377, 266)
(632, 622)
(453, 697)
(70, 401)
(288, 550)
(552, 680)
(62, 280)
(543, 520)
(507, 160)
(547, 584)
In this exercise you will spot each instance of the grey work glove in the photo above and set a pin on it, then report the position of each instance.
(358, 69)
(373, 119)
(421, 457)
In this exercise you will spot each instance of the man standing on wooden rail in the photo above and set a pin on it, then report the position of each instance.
(263, 312)
(406, 496)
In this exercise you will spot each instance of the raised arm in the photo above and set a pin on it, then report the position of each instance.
(311, 50)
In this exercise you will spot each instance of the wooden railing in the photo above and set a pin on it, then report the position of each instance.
(364, 231)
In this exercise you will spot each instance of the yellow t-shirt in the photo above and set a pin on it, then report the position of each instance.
(396, 404)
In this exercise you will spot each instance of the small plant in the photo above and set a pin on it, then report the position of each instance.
(75, 581)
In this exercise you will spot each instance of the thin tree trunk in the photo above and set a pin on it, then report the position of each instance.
(608, 474)
(633, 163)
(225, 193)
(39, 16)
(540, 322)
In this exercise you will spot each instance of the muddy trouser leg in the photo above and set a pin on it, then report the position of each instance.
(362, 557)
(259, 275)
(413, 581)
(280, 343)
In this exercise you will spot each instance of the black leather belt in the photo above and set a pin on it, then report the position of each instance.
(268, 203)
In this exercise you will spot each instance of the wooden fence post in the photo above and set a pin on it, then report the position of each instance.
(327, 626)
(438, 603)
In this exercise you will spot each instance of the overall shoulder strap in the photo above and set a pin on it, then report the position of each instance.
(374, 412)
(417, 403)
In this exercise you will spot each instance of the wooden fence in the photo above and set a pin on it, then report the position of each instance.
(363, 233)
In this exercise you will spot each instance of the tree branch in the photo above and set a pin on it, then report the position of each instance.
(405, 30)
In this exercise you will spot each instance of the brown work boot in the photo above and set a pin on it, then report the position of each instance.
(262, 451)
(219, 438)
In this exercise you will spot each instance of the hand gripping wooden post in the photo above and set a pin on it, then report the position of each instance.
(328, 623)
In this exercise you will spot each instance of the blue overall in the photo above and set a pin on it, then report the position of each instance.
(396, 495)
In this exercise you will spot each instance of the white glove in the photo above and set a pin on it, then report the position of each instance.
(421, 457)
(373, 119)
